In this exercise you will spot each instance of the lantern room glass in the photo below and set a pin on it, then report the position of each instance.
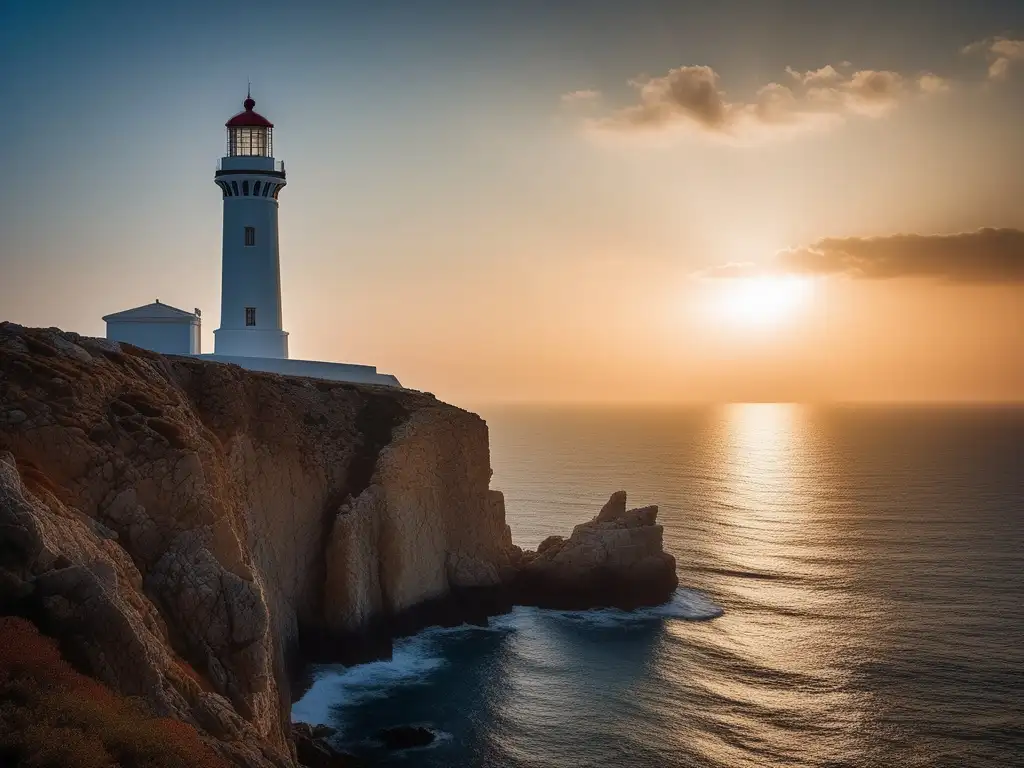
(249, 141)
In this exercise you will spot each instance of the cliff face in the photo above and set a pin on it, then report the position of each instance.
(184, 526)
(189, 530)
(427, 524)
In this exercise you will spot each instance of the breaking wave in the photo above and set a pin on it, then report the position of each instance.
(416, 659)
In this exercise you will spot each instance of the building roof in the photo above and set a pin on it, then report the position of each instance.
(155, 312)
(248, 117)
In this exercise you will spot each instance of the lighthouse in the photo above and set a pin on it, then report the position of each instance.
(250, 180)
(250, 334)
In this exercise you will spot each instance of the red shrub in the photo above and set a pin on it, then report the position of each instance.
(189, 671)
(54, 717)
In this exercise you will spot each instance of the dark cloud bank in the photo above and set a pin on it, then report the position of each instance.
(985, 256)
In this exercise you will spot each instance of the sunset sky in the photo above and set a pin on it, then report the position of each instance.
(593, 201)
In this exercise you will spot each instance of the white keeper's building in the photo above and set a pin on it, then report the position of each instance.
(251, 332)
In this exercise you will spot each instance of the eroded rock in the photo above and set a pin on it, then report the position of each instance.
(616, 559)
(313, 751)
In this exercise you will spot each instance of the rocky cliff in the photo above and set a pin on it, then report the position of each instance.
(189, 530)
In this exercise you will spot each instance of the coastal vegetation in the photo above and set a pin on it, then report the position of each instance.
(53, 717)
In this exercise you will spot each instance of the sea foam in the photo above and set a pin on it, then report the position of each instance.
(335, 685)
(686, 604)
(415, 659)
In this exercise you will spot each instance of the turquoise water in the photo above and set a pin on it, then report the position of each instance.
(851, 584)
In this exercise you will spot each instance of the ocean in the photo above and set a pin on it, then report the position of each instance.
(851, 594)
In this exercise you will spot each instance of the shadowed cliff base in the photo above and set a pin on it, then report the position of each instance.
(163, 514)
(615, 560)
(464, 605)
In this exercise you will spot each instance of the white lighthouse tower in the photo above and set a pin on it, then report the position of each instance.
(250, 181)
(250, 333)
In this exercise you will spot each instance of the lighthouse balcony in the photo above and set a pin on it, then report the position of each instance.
(251, 164)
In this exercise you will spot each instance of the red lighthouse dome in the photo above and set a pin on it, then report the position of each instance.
(249, 132)
(248, 117)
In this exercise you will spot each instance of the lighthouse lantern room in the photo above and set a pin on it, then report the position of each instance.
(250, 181)
(250, 134)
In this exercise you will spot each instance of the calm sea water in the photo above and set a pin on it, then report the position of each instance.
(852, 594)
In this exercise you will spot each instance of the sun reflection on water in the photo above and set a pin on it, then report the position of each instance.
(770, 520)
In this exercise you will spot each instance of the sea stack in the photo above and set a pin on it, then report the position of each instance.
(616, 560)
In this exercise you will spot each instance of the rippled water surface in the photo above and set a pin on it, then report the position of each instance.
(869, 563)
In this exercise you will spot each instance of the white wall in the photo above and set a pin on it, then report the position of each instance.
(251, 342)
(360, 374)
(166, 338)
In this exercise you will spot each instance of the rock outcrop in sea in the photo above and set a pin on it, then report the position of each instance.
(192, 532)
(616, 559)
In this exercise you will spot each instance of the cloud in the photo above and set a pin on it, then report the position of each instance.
(999, 69)
(992, 256)
(874, 92)
(824, 76)
(1002, 54)
(929, 83)
(690, 93)
(692, 97)
(583, 97)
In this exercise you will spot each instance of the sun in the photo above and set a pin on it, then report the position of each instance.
(761, 302)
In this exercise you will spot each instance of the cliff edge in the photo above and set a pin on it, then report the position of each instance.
(190, 531)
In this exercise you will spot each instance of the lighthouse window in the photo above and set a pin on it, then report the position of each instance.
(234, 187)
(250, 235)
(245, 187)
(250, 315)
(250, 141)
(266, 189)
(255, 189)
